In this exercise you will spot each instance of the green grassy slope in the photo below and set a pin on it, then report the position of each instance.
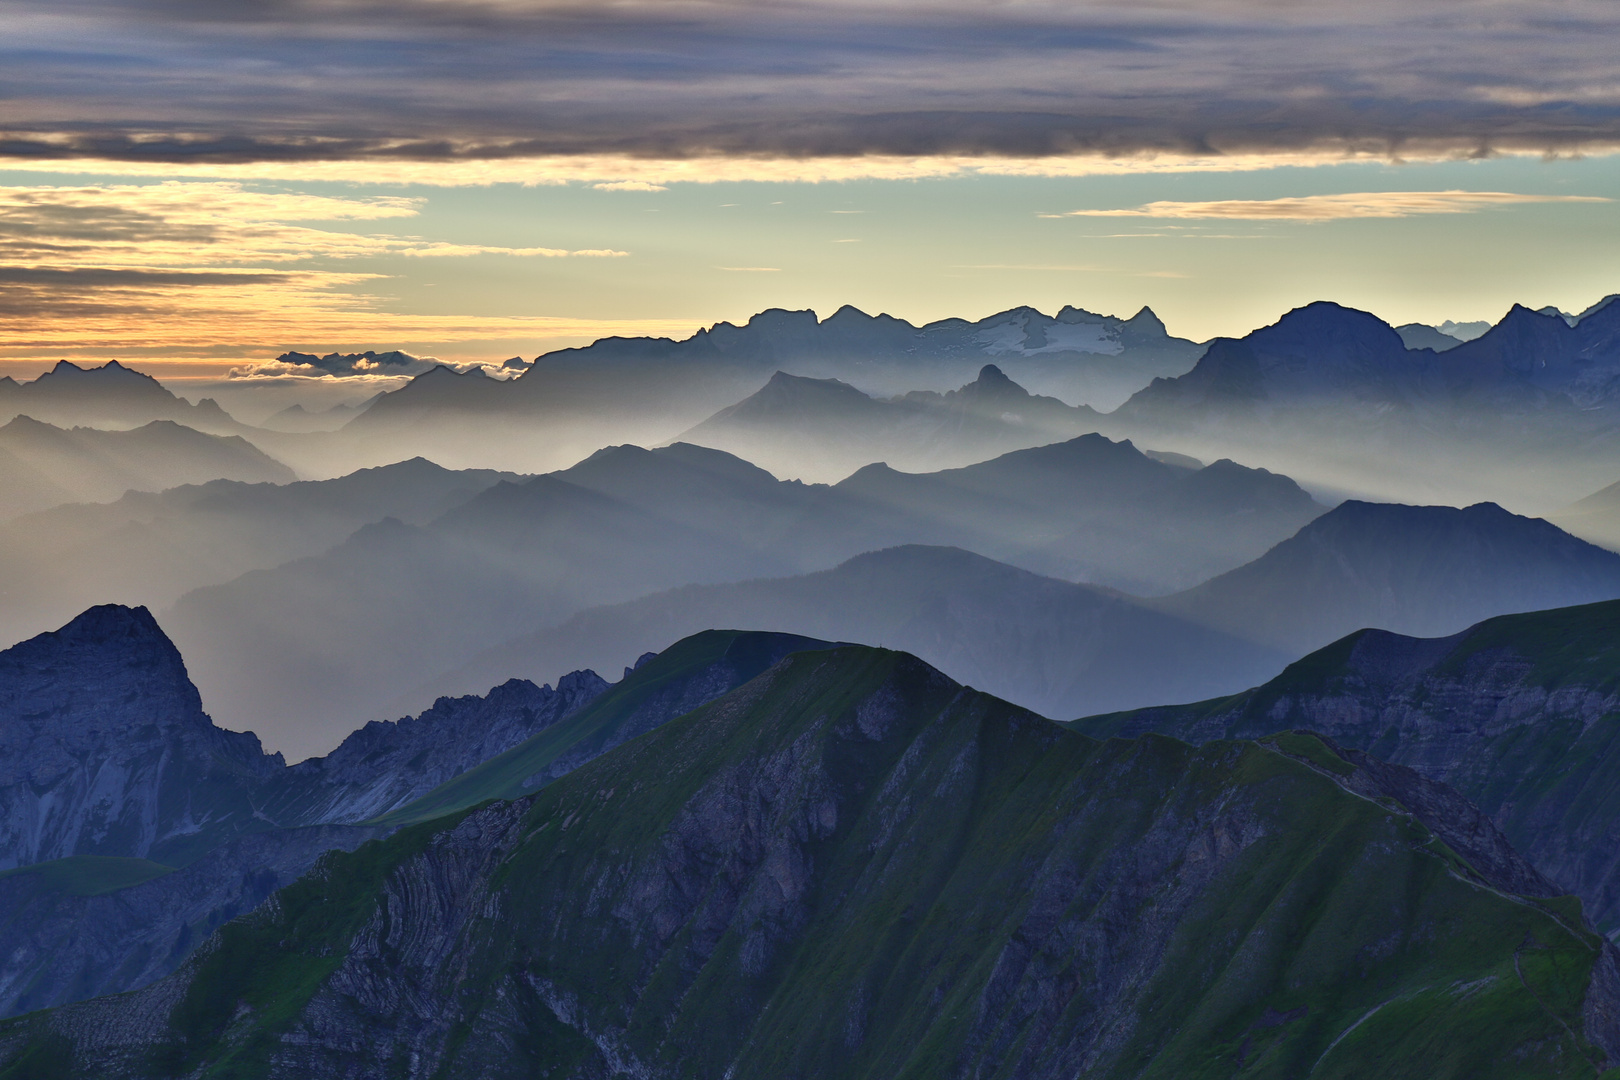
(852, 868)
(89, 875)
(724, 658)
(1518, 713)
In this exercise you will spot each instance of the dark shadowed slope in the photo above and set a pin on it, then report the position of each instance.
(47, 466)
(148, 549)
(853, 868)
(88, 925)
(1422, 570)
(107, 750)
(1520, 713)
(1061, 648)
(662, 686)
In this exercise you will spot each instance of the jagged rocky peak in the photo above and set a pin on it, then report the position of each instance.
(105, 748)
(110, 653)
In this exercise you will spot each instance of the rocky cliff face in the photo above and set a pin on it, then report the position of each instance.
(852, 867)
(105, 749)
(1520, 713)
(104, 737)
(383, 766)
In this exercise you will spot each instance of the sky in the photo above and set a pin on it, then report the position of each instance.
(199, 187)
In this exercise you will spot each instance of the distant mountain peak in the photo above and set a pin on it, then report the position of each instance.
(443, 372)
(993, 383)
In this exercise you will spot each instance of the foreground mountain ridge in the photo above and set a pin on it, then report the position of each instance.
(1520, 713)
(760, 889)
(95, 903)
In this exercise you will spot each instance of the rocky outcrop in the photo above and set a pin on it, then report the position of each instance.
(383, 766)
(850, 866)
(105, 749)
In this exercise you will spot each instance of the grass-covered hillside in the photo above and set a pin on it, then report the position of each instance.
(1520, 713)
(850, 867)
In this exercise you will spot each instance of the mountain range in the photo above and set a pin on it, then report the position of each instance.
(110, 396)
(1333, 396)
(311, 646)
(43, 466)
(821, 429)
(1052, 646)
(649, 390)
(1422, 570)
(1528, 361)
(150, 548)
(133, 826)
(850, 866)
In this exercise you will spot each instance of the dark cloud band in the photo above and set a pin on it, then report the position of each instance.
(286, 81)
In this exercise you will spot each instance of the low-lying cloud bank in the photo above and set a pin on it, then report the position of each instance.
(479, 81)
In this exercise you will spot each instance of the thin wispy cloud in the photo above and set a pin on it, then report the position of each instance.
(211, 223)
(1373, 204)
(216, 269)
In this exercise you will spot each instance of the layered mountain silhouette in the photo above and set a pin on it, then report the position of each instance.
(1335, 398)
(1519, 713)
(649, 390)
(43, 466)
(296, 418)
(323, 642)
(852, 866)
(1423, 336)
(1422, 570)
(1056, 647)
(149, 549)
(1094, 510)
(109, 396)
(1326, 352)
(1595, 518)
(821, 429)
(1076, 356)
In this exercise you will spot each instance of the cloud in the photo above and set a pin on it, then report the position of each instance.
(1369, 204)
(210, 223)
(629, 185)
(369, 362)
(449, 85)
(217, 269)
